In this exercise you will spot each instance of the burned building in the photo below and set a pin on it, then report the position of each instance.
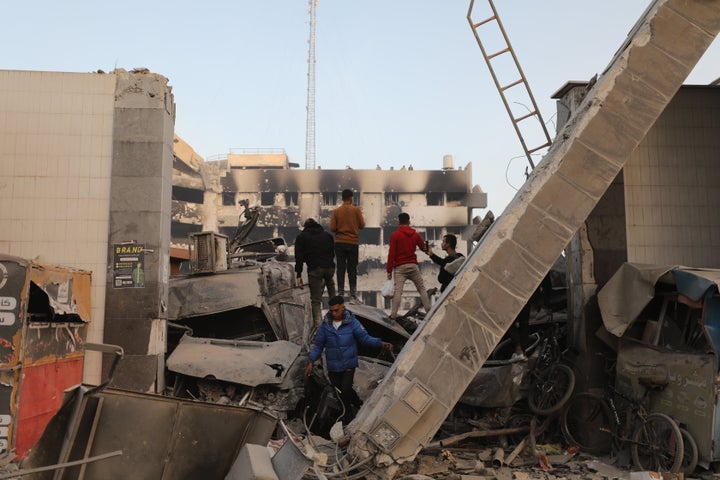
(212, 195)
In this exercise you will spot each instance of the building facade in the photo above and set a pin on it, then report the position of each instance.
(210, 196)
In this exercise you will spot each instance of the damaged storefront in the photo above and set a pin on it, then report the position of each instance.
(44, 310)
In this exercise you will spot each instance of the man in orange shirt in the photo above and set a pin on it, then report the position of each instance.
(346, 222)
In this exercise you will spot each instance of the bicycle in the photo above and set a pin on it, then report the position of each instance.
(593, 424)
(551, 381)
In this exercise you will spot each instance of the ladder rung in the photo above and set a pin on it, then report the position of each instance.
(539, 148)
(475, 25)
(505, 50)
(531, 114)
(509, 85)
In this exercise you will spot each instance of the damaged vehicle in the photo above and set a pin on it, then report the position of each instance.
(665, 325)
(240, 334)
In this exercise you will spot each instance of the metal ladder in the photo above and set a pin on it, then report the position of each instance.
(521, 81)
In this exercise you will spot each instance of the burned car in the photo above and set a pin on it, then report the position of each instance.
(667, 323)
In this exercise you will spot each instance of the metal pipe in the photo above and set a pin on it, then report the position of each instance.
(74, 463)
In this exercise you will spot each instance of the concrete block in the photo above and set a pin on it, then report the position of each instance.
(252, 463)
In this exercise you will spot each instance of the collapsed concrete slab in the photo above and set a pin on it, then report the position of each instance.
(501, 274)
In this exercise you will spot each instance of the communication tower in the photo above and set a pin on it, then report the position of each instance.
(310, 107)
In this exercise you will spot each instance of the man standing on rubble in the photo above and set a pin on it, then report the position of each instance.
(340, 334)
(449, 243)
(316, 247)
(402, 262)
(346, 222)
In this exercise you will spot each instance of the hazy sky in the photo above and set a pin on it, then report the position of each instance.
(399, 82)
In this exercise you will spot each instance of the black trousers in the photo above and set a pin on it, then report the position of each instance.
(343, 381)
(347, 258)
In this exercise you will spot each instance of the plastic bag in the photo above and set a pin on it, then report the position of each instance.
(388, 288)
(454, 266)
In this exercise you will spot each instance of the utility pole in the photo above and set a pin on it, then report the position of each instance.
(310, 107)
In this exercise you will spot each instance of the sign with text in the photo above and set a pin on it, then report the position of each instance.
(128, 265)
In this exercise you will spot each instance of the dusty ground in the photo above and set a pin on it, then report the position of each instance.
(489, 463)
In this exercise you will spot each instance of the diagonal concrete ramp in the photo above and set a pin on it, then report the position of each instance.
(501, 274)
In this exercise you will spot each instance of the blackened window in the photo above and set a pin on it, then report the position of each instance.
(456, 198)
(392, 198)
(189, 195)
(291, 198)
(260, 233)
(289, 234)
(433, 234)
(330, 198)
(228, 198)
(267, 198)
(181, 231)
(229, 231)
(435, 198)
(369, 236)
(387, 231)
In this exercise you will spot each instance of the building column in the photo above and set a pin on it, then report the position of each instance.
(139, 235)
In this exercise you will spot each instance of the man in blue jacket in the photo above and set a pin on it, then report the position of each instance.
(340, 334)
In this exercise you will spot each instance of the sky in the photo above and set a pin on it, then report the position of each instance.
(398, 82)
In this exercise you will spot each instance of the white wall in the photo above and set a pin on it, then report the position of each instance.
(672, 185)
(55, 159)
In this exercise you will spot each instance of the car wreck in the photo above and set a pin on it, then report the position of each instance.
(664, 324)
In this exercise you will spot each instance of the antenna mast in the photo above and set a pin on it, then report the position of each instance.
(310, 107)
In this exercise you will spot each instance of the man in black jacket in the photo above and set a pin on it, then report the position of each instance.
(316, 247)
(449, 242)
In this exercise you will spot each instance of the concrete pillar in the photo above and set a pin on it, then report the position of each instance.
(140, 209)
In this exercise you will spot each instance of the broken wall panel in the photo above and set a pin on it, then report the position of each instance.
(161, 438)
(505, 269)
(43, 314)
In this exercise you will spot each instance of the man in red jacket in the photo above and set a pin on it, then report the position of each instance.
(403, 262)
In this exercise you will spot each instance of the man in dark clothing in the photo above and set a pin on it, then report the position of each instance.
(449, 242)
(340, 334)
(402, 262)
(316, 247)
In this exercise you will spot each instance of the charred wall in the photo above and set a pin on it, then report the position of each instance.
(438, 201)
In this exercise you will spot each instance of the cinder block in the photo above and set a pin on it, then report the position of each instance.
(252, 463)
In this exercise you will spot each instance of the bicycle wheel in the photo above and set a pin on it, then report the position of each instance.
(587, 423)
(551, 389)
(690, 453)
(657, 444)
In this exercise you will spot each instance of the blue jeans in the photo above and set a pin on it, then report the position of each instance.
(318, 279)
(346, 256)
